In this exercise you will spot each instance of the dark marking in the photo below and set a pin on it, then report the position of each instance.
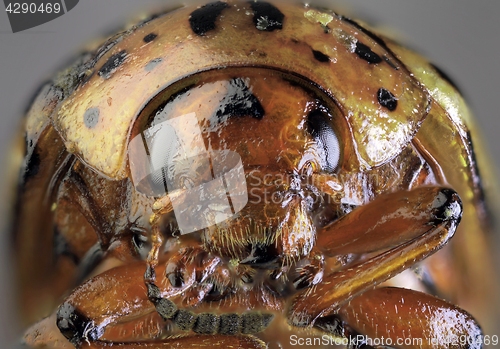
(330, 324)
(217, 292)
(266, 17)
(176, 278)
(251, 323)
(184, 319)
(229, 324)
(239, 101)
(106, 47)
(166, 308)
(321, 130)
(267, 318)
(112, 64)
(206, 323)
(388, 61)
(140, 242)
(320, 56)
(154, 293)
(32, 165)
(446, 77)
(364, 52)
(61, 247)
(302, 281)
(262, 256)
(247, 277)
(202, 20)
(86, 79)
(75, 326)
(91, 117)
(90, 260)
(480, 197)
(152, 64)
(150, 37)
(255, 322)
(387, 99)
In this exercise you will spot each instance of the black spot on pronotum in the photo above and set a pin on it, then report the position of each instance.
(112, 64)
(364, 52)
(75, 326)
(239, 101)
(152, 64)
(387, 99)
(150, 37)
(320, 56)
(202, 20)
(91, 117)
(266, 17)
(446, 77)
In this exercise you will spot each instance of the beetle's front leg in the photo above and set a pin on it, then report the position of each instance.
(113, 305)
(190, 341)
(438, 214)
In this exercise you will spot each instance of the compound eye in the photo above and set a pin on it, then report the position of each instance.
(320, 128)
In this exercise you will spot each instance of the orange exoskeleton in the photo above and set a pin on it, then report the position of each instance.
(251, 174)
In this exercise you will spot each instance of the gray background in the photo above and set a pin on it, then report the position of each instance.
(460, 36)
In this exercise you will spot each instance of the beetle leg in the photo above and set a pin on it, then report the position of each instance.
(311, 272)
(45, 334)
(410, 319)
(443, 208)
(196, 341)
(386, 222)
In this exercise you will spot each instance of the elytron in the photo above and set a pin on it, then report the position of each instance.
(237, 174)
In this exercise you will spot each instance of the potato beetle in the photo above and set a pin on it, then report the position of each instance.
(244, 173)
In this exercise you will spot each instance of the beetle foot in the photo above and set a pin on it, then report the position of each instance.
(310, 272)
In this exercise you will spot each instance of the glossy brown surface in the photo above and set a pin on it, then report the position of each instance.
(347, 148)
